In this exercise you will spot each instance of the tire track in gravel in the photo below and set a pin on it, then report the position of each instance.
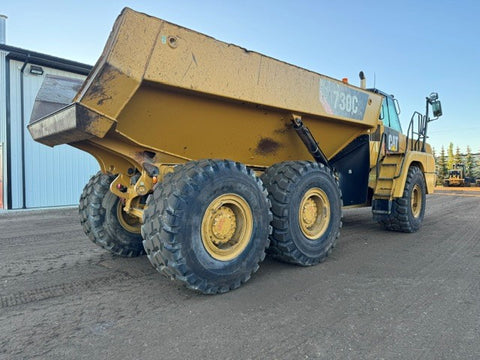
(53, 261)
(48, 292)
(416, 293)
(12, 235)
(428, 279)
(68, 288)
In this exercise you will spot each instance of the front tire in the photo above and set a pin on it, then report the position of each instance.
(207, 225)
(408, 211)
(307, 211)
(104, 221)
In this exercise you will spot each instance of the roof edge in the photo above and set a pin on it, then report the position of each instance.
(37, 58)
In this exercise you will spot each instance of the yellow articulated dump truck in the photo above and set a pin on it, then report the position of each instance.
(212, 156)
(456, 176)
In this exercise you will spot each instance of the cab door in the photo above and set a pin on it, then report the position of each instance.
(393, 128)
(394, 139)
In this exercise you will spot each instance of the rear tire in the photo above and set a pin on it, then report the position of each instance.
(307, 211)
(99, 211)
(208, 225)
(408, 211)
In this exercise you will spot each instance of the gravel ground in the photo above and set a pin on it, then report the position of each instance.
(380, 295)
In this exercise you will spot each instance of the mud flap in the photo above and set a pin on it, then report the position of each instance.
(381, 207)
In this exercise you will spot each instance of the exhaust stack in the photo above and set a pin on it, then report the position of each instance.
(3, 31)
(363, 80)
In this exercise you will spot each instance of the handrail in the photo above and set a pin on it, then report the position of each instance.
(418, 144)
(418, 140)
(377, 171)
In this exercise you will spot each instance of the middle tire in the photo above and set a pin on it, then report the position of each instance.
(104, 221)
(307, 211)
(207, 225)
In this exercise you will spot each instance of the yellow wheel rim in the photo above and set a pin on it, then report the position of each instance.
(128, 222)
(227, 227)
(416, 201)
(314, 213)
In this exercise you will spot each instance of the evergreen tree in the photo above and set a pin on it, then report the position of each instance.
(476, 169)
(451, 159)
(442, 164)
(458, 157)
(469, 165)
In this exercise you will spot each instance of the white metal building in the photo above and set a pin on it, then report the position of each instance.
(33, 175)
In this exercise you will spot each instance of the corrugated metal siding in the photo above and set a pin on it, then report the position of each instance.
(15, 136)
(54, 176)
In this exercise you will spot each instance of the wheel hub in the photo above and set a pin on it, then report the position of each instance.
(223, 225)
(416, 201)
(309, 212)
(314, 213)
(127, 221)
(227, 227)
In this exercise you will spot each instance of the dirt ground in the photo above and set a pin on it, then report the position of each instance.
(380, 295)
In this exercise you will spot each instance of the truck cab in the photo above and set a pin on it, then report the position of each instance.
(389, 126)
(395, 156)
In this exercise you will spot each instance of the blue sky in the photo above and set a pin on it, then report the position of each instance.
(411, 48)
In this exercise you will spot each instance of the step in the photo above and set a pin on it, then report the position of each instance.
(387, 174)
(382, 195)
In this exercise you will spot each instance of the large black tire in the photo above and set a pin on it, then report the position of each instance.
(289, 185)
(408, 211)
(177, 228)
(99, 211)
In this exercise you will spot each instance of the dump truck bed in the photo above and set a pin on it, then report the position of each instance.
(181, 95)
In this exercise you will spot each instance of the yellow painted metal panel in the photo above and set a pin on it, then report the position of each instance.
(427, 164)
(203, 64)
(192, 127)
(120, 69)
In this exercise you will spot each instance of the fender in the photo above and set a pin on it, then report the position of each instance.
(426, 162)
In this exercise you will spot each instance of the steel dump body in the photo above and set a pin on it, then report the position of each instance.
(179, 95)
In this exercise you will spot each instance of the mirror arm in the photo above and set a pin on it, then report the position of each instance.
(427, 119)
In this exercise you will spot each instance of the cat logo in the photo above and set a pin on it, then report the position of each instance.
(392, 143)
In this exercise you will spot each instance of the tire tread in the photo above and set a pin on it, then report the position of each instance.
(399, 219)
(280, 180)
(162, 221)
(94, 224)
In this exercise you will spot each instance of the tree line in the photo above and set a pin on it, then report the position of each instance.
(445, 162)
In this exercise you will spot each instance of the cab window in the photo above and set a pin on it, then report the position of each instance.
(392, 111)
(384, 113)
(389, 114)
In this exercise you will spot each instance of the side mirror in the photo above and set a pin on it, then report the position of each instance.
(437, 108)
